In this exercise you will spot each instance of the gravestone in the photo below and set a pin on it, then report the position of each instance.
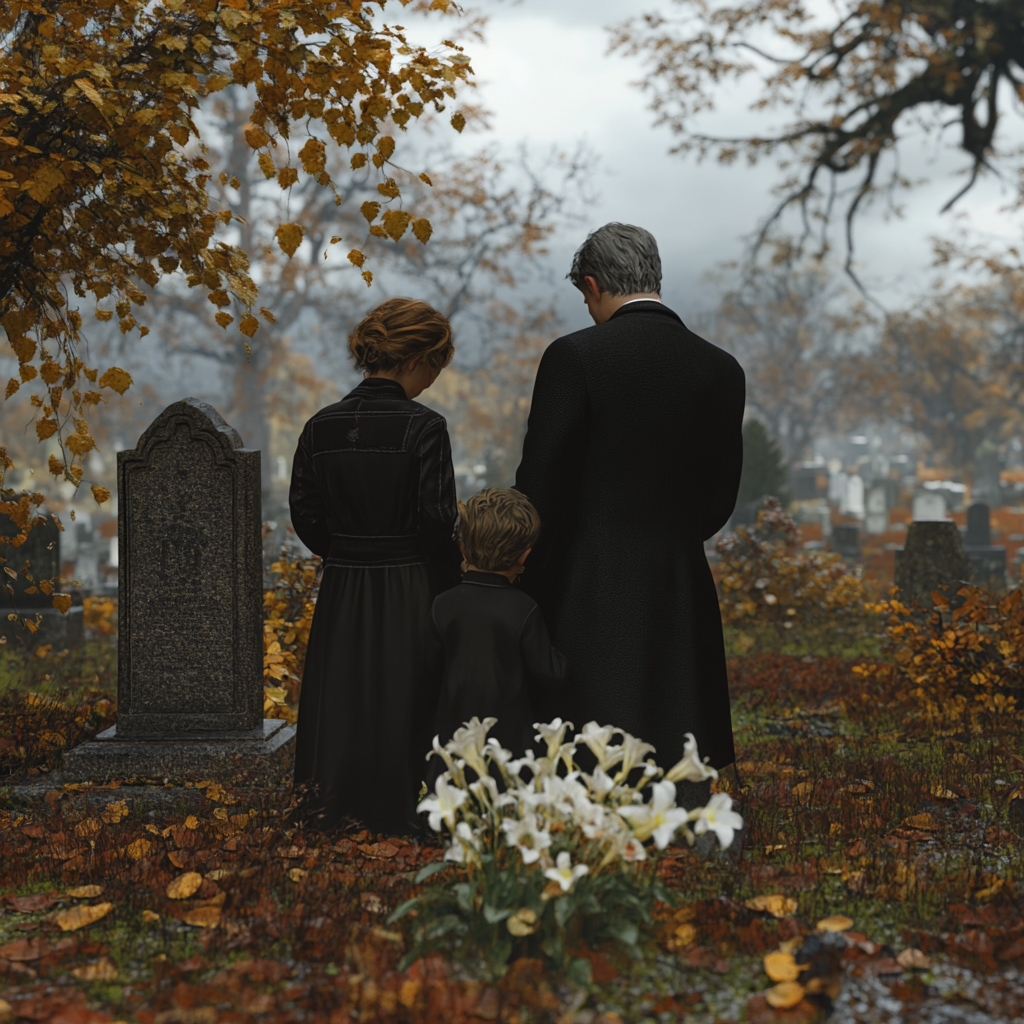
(845, 540)
(933, 558)
(988, 561)
(853, 500)
(190, 623)
(41, 549)
(877, 519)
(928, 507)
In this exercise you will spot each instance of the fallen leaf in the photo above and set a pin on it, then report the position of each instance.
(781, 966)
(184, 885)
(139, 849)
(914, 960)
(836, 923)
(82, 915)
(21, 950)
(84, 892)
(686, 935)
(523, 922)
(203, 917)
(925, 822)
(219, 873)
(297, 874)
(784, 995)
(150, 916)
(775, 904)
(103, 970)
(29, 904)
(191, 822)
(371, 902)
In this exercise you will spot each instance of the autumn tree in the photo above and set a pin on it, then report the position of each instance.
(104, 170)
(792, 326)
(851, 81)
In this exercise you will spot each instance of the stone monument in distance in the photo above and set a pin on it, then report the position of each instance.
(190, 585)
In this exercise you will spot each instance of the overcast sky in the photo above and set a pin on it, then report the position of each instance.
(546, 74)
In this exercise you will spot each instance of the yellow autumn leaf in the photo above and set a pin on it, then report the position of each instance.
(203, 917)
(369, 211)
(85, 892)
(192, 822)
(389, 188)
(523, 922)
(836, 923)
(185, 885)
(297, 874)
(101, 494)
(150, 916)
(223, 318)
(289, 237)
(395, 223)
(12, 385)
(138, 849)
(266, 162)
(775, 904)
(116, 379)
(249, 325)
(286, 177)
(356, 257)
(50, 372)
(422, 229)
(55, 466)
(82, 916)
(781, 966)
(103, 970)
(62, 602)
(313, 156)
(425, 178)
(255, 136)
(114, 812)
(784, 995)
(458, 121)
(45, 428)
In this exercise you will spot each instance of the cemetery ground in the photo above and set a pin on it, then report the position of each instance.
(219, 908)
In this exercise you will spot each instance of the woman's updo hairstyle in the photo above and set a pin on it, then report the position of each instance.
(398, 330)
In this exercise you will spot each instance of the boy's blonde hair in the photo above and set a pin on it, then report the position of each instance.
(496, 526)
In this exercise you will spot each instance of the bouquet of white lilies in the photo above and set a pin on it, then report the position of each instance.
(548, 849)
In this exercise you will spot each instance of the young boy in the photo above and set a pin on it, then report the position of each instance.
(495, 649)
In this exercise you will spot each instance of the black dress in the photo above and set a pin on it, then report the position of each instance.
(495, 658)
(632, 458)
(372, 493)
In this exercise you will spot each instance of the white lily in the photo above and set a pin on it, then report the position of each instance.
(565, 873)
(465, 845)
(659, 819)
(485, 789)
(690, 767)
(442, 753)
(633, 850)
(442, 807)
(526, 837)
(633, 751)
(717, 817)
(596, 737)
(468, 743)
(600, 783)
(552, 734)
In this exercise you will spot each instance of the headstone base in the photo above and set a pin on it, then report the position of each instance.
(62, 629)
(260, 759)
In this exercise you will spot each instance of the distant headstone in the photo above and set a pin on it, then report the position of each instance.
(933, 558)
(853, 502)
(979, 527)
(988, 561)
(928, 507)
(877, 519)
(837, 488)
(190, 625)
(985, 483)
(41, 549)
(845, 540)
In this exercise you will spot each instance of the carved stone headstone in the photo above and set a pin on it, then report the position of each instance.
(933, 558)
(41, 550)
(190, 581)
(845, 540)
(988, 560)
(877, 519)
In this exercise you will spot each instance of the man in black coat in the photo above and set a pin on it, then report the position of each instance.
(632, 458)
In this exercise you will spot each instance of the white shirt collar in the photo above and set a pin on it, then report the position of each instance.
(638, 300)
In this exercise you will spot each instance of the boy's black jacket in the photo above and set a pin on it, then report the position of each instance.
(497, 659)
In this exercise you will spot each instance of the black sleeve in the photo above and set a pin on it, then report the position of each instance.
(551, 454)
(305, 499)
(554, 431)
(724, 477)
(546, 666)
(439, 508)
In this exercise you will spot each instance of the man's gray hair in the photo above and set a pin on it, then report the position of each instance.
(622, 258)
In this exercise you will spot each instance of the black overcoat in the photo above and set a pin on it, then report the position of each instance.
(495, 658)
(632, 458)
(372, 493)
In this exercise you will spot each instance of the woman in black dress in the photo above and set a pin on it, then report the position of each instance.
(373, 493)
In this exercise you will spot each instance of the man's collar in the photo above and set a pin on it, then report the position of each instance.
(645, 299)
(644, 306)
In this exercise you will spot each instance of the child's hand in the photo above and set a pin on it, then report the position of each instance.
(464, 568)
